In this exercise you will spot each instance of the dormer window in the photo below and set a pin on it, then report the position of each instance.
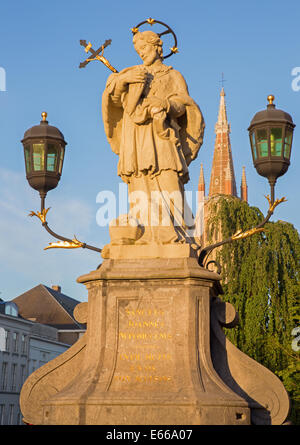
(11, 309)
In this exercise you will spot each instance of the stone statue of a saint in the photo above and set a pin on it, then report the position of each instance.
(156, 128)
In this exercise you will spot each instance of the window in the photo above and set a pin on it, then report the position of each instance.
(23, 344)
(4, 375)
(38, 157)
(253, 145)
(27, 158)
(262, 143)
(11, 309)
(276, 141)
(15, 342)
(11, 415)
(3, 334)
(287, 143)
(13, 376)
(2, 412)
(7, 335)
(22, 374)
(51, 158)
(62, 152)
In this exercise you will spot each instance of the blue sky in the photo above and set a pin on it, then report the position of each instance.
(255, 44)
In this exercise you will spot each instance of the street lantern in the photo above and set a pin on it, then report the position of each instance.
(271, 134)
(44, 149)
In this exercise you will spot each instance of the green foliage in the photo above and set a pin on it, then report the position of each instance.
(261, 278)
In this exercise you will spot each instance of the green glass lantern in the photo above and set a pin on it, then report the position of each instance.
(44, 150)
(271, 135)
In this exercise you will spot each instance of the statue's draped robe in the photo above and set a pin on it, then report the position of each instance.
(148, 146)
(143, 144)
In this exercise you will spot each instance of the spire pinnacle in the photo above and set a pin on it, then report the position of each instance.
(201, 176)
(222, 123)
(244, 181)
(201, 183)
(244, 187)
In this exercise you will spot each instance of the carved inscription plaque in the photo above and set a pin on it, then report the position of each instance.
(145, 352)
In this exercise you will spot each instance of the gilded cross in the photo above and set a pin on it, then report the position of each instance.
(222, 80)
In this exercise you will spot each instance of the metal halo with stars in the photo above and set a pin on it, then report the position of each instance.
(151, 22)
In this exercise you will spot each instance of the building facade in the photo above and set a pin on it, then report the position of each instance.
(24, 347)
(35, 328)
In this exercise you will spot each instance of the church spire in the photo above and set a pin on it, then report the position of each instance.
(244, 187)
(201, 183)
(222, 179)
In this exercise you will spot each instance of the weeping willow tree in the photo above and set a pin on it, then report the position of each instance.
(261, 278)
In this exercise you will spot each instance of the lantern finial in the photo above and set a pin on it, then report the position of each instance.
(44, 116)
(271, 99)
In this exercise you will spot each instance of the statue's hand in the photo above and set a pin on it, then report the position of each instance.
(156, 105)
(137, 75)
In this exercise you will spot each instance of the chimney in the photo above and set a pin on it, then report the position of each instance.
(57, 288)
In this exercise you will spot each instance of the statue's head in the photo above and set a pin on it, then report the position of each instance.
(148, 45)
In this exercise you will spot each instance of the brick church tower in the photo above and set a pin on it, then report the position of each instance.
(222, 177)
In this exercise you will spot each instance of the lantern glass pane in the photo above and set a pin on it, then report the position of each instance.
(262, 142)
(61, 160)
(38, 157)
(27, 158)
(51, 158)
(253, 143)
(288, 143)
(276, 141)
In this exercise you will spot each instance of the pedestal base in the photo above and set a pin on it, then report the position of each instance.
(95, 413)
(154, 354)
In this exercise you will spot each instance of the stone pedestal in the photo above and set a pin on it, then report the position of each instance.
(154, 353)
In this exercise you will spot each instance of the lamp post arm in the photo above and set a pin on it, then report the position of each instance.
(65, 243)
(240, 234)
